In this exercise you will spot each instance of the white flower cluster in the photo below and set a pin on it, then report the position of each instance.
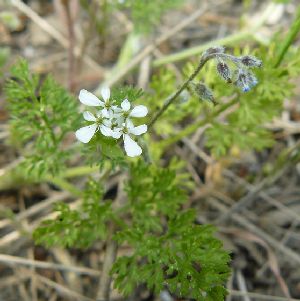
(112, 120)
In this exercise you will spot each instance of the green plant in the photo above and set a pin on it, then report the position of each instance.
(169, 248)
(42, 114)
(146, 14)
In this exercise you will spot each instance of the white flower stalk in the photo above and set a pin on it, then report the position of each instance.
(101, 122)
(132, 149)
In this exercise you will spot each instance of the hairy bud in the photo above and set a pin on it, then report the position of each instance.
(224, 71)
(245, 80)
(203, 92)
(250, 61)
(213, 50)
(252, 80)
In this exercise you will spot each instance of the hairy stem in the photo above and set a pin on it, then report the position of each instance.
(174, 96)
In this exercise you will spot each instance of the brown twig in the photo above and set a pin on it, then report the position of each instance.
(110, 256)
(71, 36)
(260, 296)
(17, 261)
(150, 48)
(103, 293)
(55, 34)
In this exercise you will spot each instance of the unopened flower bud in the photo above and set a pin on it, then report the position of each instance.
(252, 80)
(242, 81)
(224, 71)
(250, 61)
(203, 92)
(213, 50)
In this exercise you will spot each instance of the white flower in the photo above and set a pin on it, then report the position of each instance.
(124, 113)
(132, 149)
(112, 121)
(101, 122)
(89, 99)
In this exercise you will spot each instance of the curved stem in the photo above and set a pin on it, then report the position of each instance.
(174, 96)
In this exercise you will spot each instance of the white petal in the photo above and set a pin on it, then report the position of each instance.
(107, 122)
(105, 113)
(116, 109)
(86, 133)
(116, 133)
(129, 124)
(119, 120)
(138, 130)
(89, 116)
(132, 149)
(139, 111)
(89, 99)
(105, 92)
(125, 105)
(106, 131)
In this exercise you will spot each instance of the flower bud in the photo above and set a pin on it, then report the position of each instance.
(213, 50)
(224, 71)
(252, 80)
(203, 92)
(250, 61)
(242, 81)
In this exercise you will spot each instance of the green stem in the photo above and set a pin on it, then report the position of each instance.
(295, 28)
(233, 38)
(193, 127)
(80, 171)
(174, 96)
(199, 49)
(64, 185)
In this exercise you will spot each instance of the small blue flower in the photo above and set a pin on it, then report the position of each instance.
(246, 88)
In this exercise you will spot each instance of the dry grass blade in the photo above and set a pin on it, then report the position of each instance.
(54, 33)
(150, 48)
(62, 290)
(260, 296)
(272, 260)
(14, 261)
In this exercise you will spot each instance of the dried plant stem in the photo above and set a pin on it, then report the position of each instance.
(55, 34)
(258, 296)
(17, 261)
(151, 47)
(71, 36)
(110, 256)
(230, 39)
